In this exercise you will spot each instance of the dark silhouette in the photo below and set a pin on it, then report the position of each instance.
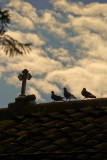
(55, 97)
(87, 94)
(68, 95)
(10, 45)
(29, 98)
(24, 77)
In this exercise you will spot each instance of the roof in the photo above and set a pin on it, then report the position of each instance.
(74, 131)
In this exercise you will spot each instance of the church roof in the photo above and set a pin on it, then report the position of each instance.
(74, 131)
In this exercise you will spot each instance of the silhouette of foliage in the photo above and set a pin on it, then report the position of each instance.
(9, 44)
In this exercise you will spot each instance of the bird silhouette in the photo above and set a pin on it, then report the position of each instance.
(68, 95)
(56, 97)
(30, 98)
(87, 94)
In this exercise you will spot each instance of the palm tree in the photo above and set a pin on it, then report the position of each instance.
(10, 45)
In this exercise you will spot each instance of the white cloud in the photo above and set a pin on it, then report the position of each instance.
(23, 15)
(24, 8)
(58, 52)
(61, 54)
(13, 80)
(83, 23)
(44, 85)
(28, 18)
(31, 90)
(27, 38)
(35, 63)
(80, 30)
(79, 77)
(50, 23)
(22, 21)
(93, 44)
(91, 16)
(91, 9)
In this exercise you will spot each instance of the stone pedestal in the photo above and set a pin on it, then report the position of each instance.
(20, 99)
(22, 105)
(25, 99)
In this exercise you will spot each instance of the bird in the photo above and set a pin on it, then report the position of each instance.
(87, 94)
(56, 97)
(30, 98)
(68, 95)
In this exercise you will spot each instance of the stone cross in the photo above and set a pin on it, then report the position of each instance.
(24, 77)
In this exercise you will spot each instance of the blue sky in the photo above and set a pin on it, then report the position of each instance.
(69, 48)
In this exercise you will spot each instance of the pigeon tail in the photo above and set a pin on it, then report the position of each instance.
(92, 96)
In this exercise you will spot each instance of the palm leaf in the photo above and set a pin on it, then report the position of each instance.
(14, 47)
(10, 45)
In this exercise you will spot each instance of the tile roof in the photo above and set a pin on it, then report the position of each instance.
(74, 131)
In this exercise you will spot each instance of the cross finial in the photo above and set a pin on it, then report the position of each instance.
(23, 77)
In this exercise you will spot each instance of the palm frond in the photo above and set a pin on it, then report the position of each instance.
(14, 47)
(10, 45)
(4, 18)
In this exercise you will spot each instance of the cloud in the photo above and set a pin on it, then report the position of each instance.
(25, 13)
(29, 18)
(79, 8)
(82, 16)
(35, 63)
(23, 8)
(93, 24)
(92, 44)
(13, 80)
(77, 78)
(69, 48)
(61, 54)
(27, 38)
(21, 21)
(58, 52)
(44, 86)
(32, 90)
(51, 24)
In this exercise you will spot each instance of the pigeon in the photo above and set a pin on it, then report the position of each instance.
(55, 97)
(87, 94)
(68, 95)
(30, 98)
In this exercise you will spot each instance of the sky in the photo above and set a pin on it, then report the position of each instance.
(69, 48)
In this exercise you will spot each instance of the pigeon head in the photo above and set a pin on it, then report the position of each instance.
(64, 89)
(84, 89)
(52, 92)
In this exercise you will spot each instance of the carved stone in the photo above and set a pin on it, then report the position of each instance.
(24, 77)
